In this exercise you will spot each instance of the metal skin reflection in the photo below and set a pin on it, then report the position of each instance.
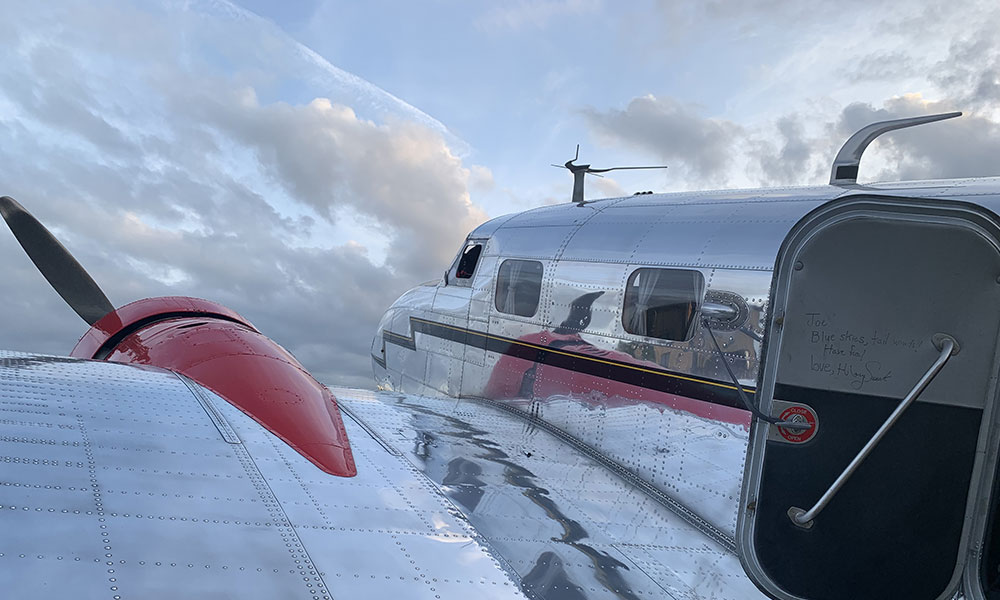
(514, 377)
(575, 343)
(547, 578)
(573, 365)
(664, 411)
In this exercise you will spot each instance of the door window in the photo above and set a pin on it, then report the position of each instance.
(662, 303)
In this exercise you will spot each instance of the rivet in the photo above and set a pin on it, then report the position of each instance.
(798, 265)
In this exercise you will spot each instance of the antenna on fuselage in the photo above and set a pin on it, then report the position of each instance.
(579, 171)
(845, 165)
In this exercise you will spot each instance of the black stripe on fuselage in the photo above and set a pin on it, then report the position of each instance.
(638, 375)
(400, 340)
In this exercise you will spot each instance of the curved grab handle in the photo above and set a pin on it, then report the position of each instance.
(845, 165)
(948, 347)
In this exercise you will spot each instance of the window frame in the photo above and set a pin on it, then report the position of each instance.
(697, 295)
(500, 280)
(452, 274)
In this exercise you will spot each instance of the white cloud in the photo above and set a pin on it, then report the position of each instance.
(963, 147)
(711, 151)
(828, 71)
(400, 174)
(606, 187)
(671, 130)
(142, 140)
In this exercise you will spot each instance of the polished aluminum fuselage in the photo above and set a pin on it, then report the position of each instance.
(731, 237)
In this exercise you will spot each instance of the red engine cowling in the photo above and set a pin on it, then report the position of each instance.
(222, 351)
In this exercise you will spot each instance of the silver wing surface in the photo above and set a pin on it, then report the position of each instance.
(127, 482)
(571, 521)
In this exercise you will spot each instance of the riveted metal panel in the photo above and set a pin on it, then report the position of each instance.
(719, 235)
(697, 460)
(487, 228)
(736, 196)
(444, 371)
(606, 240)
(422, 295)
(557, 517)
(482, 297)
(571, 280)
(119, 483)
(559, 214)
(452, 301)
(481, 304)
(530, 242)
(741, 345)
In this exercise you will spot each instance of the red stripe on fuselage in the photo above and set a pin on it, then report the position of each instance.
(514, 377)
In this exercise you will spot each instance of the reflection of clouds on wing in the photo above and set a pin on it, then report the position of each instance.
(201, 151)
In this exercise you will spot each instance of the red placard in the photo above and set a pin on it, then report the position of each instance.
(798, 414)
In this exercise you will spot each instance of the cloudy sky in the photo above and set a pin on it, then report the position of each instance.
(306, 162)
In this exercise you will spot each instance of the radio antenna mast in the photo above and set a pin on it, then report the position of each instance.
(579, 171)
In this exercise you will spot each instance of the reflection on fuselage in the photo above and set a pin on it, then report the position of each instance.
(547, 578)
(567, 363)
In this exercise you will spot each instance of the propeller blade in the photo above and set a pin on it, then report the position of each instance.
(625, 168)
(56, 264)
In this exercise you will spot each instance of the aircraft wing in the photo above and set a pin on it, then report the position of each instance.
(125, 481)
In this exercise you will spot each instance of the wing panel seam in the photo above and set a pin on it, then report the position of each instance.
(370, 431)
(225, 429)
(672, 504)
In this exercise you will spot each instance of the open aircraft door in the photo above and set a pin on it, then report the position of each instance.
(882, 345)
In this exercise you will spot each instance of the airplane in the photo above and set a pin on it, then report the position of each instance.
(784, 393)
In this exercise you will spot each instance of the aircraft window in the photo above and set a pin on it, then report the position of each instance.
(662, 303)
(467, 264)
(519, 284)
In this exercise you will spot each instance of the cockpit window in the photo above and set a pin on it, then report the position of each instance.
(662, 303)
(467, 263)
(464, 266)
(519, 285)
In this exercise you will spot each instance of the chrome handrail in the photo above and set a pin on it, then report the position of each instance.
(948, 347)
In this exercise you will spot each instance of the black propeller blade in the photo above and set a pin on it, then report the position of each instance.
(58, 266)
